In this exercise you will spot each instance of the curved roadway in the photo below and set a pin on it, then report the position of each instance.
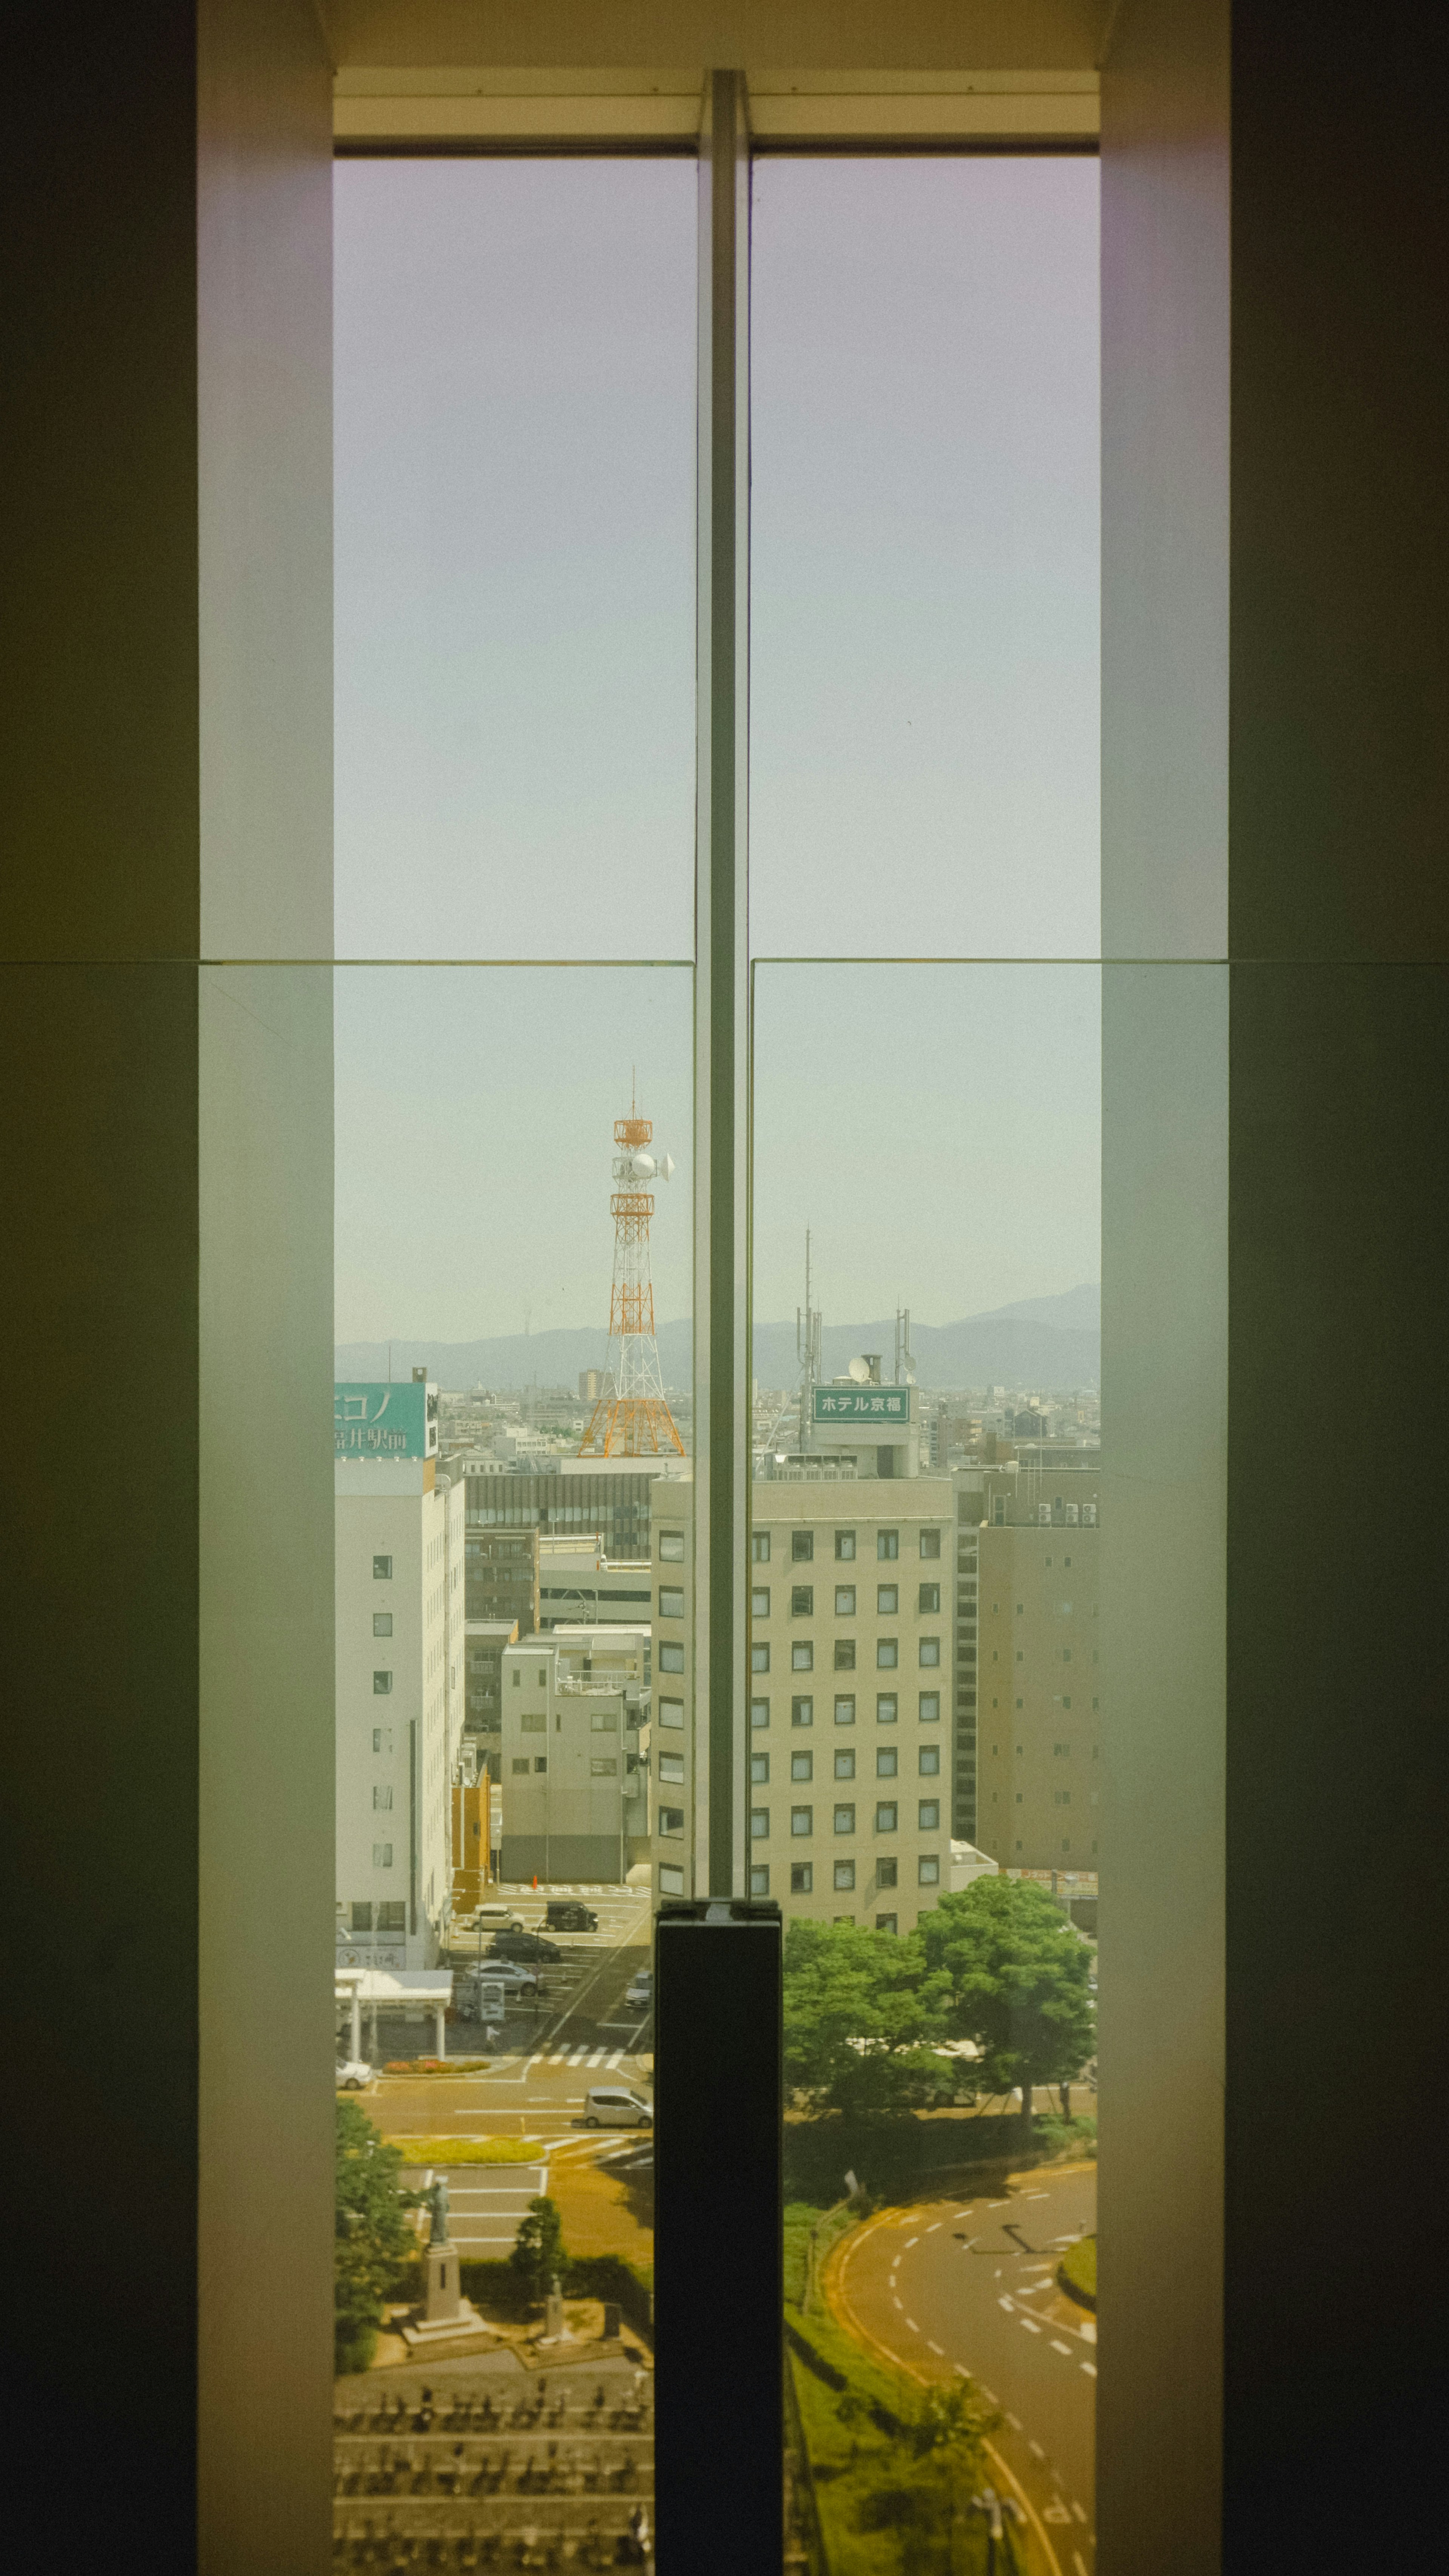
(966, 2288)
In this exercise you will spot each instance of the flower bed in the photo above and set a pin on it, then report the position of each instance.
(437, 2065)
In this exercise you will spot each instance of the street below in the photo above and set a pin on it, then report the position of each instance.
(966, 2288)
(576, 2033)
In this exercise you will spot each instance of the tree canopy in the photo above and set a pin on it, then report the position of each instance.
(1015, 1975)
(538, 2251)
(868, 2017)
(862, 2010)
(372, 2232)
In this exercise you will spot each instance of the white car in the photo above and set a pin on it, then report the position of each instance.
(639, 1991)
(507, 1972)
(352, 2076)
(611, 2107)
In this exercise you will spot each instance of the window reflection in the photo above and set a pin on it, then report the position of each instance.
(940, 1948)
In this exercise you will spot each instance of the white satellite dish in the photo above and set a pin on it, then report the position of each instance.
(860, 1372)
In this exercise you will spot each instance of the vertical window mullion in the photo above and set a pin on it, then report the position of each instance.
(721, 1266)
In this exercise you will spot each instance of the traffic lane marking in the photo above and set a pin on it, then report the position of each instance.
(944, 2283)
(898, 2361)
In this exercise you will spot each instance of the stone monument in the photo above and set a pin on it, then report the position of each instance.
(555, 2332)
(446, 2316)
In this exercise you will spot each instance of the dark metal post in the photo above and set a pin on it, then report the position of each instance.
(721, 1051)
(719, 2392)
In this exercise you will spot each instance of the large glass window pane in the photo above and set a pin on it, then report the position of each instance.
(515, 1741)
(938, 1128)
(924, 553)
(515, 455)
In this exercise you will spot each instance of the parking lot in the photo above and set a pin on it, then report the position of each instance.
(485, 2203)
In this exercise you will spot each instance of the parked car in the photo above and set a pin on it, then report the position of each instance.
(352, 2076)
(639, 1991)
(566, 1914)
(508, 1972)
(522, 1945)
(610, 2107)
(496, 1918)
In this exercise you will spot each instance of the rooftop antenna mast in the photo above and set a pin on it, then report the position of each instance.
(632, 1417)
(807, 1352)
(905, 1357)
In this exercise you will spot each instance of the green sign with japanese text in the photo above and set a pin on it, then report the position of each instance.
(374, 1421)
(862, 1404)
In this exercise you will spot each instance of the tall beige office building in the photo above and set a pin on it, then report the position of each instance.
(850, 1742)
(847, 1813)
(1039, 1688)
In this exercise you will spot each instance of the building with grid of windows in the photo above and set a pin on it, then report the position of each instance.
(400, 1706)
(486, 1639)
(677, 1826)
(574, 1753)
(571, 1500)
(502, 1575)
(1040, 1685)
(1005, 1493)
(850, 1635)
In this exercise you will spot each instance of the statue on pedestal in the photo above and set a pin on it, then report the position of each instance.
(438, 2203)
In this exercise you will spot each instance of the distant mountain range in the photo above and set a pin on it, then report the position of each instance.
(1050, 1344)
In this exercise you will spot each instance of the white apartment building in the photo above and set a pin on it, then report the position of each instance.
(400, 1680)
(575, 1755)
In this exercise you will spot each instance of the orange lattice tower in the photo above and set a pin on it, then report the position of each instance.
(631, 1418)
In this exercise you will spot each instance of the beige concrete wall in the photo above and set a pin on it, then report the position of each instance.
(1039, 1692)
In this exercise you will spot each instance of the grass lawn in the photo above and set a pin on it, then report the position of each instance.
(1078, 2270)
(867, 2481)
(865, 2478)
(468, 2151)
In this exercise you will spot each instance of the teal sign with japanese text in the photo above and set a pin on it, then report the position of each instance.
(862, 1404)
(374, 1421)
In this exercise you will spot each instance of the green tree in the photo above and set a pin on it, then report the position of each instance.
(1016, 1975)
(862, 2011)
(929, 2514)
(538, 2251)
(372, 2233)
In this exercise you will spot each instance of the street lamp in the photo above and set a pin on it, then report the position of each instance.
(995, 2508)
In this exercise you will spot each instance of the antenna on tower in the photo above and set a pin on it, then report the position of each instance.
(905, 1357)
(632, 1416)
(807, 1352)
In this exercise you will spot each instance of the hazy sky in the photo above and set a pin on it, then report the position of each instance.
(924, 558)
(515, 465)
(515, 682)
(936, 1127)
(475, 1125)
(515, 461)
